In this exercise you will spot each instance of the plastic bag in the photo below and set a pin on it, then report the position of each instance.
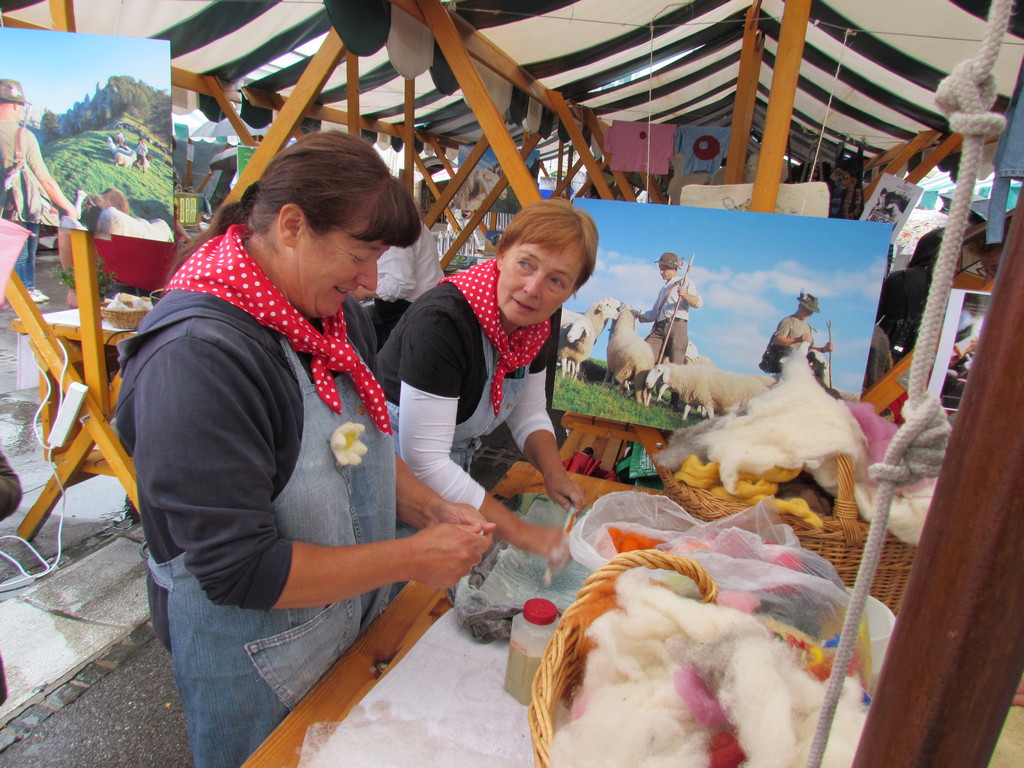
(657, 517)
(486, 600)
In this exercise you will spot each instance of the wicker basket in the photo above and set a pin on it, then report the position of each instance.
(125, 319)
(561, 666)
(840, 540)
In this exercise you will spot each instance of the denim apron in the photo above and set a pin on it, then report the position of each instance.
(483, 421)
(239, 671)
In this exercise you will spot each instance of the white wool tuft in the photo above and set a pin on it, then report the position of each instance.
(793, 424)
(908, 511)
(638, 719)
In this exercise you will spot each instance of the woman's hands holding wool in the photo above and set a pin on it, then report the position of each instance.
(445, 552)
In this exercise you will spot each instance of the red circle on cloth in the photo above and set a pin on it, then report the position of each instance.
(706, 147)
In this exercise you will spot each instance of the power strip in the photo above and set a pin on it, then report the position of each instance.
(68, 414)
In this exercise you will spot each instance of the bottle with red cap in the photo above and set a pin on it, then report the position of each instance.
(531, 631)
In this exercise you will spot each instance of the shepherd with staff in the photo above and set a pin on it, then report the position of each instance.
(671, 311)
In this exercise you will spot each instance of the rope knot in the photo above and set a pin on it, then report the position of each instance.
(966, 95)
(917, 449)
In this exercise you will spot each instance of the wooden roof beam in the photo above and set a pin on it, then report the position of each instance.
(465, 169)
(923, 140)
(487, 53)
(216, 89)
(582, 148)
(479, 100)
(780, 105)
(945, 148)
(319, 68)
(62, 12)
(597, 129)
(746, 96)
(529, 142)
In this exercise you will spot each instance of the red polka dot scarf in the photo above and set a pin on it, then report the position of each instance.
(480, 287)
(222, 267)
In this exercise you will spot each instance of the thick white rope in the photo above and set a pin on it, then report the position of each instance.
(917, 448)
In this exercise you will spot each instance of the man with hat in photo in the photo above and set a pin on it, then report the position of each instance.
(793, 329)
(24, 174)
(671, 312)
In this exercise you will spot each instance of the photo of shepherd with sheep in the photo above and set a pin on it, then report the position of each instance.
(732, 275)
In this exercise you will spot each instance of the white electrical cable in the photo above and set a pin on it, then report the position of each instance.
(917, 448)
(48, 567)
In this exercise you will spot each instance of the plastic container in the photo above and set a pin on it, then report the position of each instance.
(881, 621)
(531, 631)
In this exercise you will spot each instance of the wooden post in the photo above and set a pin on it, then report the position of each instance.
(746, 96)
(780, 105)
(479, 100)
(352, 91)
(957, 651)
(409, 131)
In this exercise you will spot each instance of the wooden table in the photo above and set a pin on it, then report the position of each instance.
(74, 348)
(388, 639)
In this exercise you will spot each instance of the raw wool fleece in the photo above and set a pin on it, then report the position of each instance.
(792, 424)
(629, 713)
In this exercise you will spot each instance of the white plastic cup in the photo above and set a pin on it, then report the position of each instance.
(881, 621)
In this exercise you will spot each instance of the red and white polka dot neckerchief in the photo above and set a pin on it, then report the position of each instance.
(480, 287)
(223, 268)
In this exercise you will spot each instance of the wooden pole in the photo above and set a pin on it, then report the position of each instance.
(957, 651)
(352, 91)
(746, 96)
(780, 105)
(409, 134)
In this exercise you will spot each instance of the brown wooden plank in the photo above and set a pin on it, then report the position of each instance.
(457, 181)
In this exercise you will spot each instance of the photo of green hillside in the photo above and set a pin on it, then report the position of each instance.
(104, 134)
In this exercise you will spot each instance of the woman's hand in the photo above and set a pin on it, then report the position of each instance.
(446, 552)
(463, 514)
(564, 490)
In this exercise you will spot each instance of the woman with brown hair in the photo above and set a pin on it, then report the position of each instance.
(466, 356)
(268, 553)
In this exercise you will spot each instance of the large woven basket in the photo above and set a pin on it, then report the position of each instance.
(840, 540)
(561, 666)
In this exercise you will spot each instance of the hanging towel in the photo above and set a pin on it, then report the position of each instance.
(702, 147)
(631, 144)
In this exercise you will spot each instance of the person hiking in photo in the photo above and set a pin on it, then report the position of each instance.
(26, 183)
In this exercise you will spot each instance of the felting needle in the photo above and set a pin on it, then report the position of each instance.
(569, 520)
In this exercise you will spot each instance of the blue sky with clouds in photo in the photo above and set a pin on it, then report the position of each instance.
(58, 69)
(749, 269)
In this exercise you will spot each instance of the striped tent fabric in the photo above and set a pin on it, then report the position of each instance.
(868, 73)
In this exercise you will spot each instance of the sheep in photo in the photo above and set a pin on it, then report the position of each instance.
(578, 333)
(122, 156)
(711, 390)
(628, 353)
